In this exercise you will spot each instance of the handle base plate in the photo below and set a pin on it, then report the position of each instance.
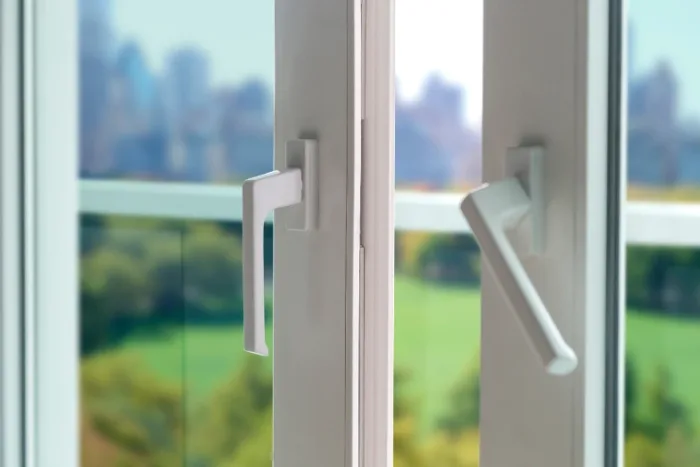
(526, 163)
(302, 154)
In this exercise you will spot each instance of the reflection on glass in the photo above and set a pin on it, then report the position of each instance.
(176, 90)
(437, 326)
(164, 379)
(662, 397)
(663, 101)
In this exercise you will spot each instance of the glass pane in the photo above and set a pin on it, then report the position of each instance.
(176, 90)
(171, 91)
(663, 101)
(437, 299)
(164, 379)
(662, 396)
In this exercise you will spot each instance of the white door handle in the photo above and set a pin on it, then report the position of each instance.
(295, 185)
(490, 210)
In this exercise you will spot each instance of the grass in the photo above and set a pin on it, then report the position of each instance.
(654, 341)
(437, 339)
(199, 357)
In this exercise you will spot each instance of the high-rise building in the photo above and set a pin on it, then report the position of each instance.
(139, 146)
(421, 162)
(443, 99)
(97, 37)
(655, 138)
(245, 130)
(189, 114)
(137, 87)
(187, 84)
(96, 57)
(631, 53)
(439, 114)
(253, 102)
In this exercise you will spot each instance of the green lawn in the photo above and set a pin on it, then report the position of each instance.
(437, 332)
(655, 341)
(436, 339)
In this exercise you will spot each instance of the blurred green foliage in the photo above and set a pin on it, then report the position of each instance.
(664, 280)
(128, 415)
(237, 413)
(142, 420)
(444, 258)
(141, 276)
(464, 403)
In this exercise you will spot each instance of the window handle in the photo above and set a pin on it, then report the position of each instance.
(490, 210)
(294, 188)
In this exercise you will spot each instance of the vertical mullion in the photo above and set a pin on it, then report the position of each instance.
(616, 251)
(377, 237)
(11, 404)
(28, 232)
(52, 210)
(592, 197)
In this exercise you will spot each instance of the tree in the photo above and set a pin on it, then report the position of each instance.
(663, 435)
(213, 276)
(641, 451)
(450, 258)
(407, 450)
(129, 416)
(164, 259)
(631, 396)
(667, 412)
(257, 450)
(235, 415)
(457, 450)
(464, 406)
(113, 286)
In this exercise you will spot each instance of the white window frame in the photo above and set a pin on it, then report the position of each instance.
(11, 244)
(49, 198)
(49, 234)
(581, 442)
(377, 238)
(316, 317)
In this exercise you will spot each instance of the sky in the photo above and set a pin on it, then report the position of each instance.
(432, 36)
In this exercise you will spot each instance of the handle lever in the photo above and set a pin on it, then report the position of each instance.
(489, 210)
(277, 189)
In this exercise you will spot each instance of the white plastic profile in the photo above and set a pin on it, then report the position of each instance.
(277, 189)
(490, 210)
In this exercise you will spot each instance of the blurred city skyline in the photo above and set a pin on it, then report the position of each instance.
(239, 38)
(170, 118)
(173, 120)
